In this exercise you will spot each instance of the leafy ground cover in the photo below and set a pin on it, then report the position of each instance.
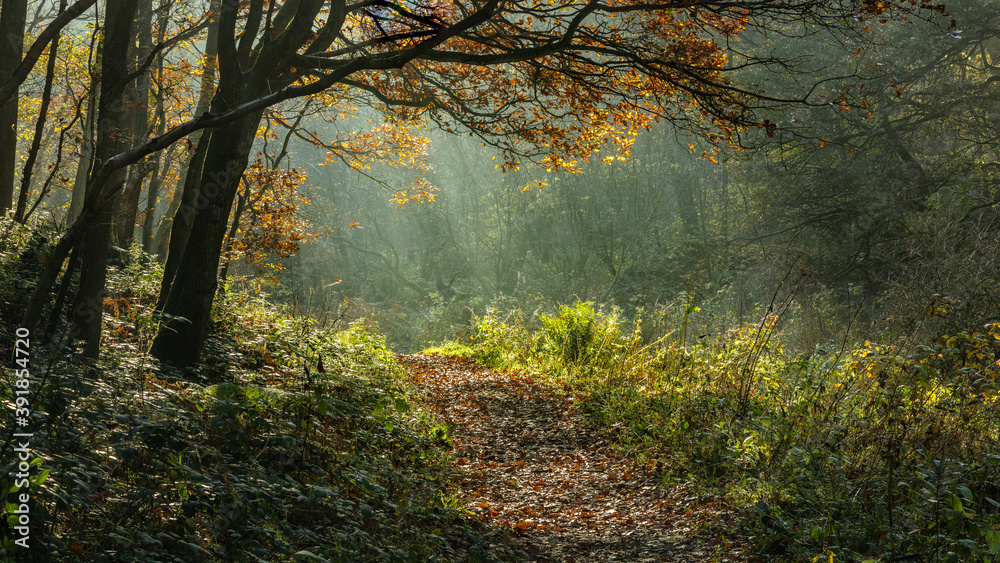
(868, 452)
(531, 464)
(291, 442)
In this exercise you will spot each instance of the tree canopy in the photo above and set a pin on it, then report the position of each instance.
(549, 82)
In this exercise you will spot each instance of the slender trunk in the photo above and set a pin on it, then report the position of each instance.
(36, 142)
(86, 162)
(152, 194)
(12, 16)
(112, 138)
(128, 208)
(159, 165)
(227, 248)
(162, 235)
(138, 108)
(67, 281)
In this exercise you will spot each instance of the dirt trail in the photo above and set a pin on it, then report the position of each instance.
(532, 465)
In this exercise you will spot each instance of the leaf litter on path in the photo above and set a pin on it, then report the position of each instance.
(529, 463)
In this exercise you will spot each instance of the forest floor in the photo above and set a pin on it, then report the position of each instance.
(529, 462)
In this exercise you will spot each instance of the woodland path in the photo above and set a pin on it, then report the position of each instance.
(530, 463)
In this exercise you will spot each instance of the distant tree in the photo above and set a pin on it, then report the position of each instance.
(14, 70)
(861, 188)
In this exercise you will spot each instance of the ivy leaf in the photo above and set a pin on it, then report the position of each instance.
(402, 405)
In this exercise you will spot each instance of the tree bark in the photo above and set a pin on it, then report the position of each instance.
(179, 222)
(12, 16)
(128, 208)
(162, 235)
(137, 99)
(112, 138)
(192, 289)
(159, 165)
(152, 194)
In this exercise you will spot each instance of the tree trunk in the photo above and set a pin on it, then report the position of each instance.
(112, 138)
(138, 107)
(162, 236)
(192, 288)
(12, 16)
(231, 236)
(152, 194)
(160, 166)
(178, 221)
(86, 162)
(67, 281)
(36, 142)
(180, 224)
(128, 208)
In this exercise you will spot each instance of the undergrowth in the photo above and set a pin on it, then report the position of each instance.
(867, 452)
(289, 443)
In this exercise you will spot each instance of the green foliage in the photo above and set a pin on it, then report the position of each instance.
(867, 451)
(501, 340)
(292, 442)
(579, 338)
(449, 349)
(571, 334)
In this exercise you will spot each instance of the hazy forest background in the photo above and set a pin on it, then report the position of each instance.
(759, 239)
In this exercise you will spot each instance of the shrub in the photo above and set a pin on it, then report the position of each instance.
(501, 339)
(571, 336)
(291, 442)
(868, 451)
